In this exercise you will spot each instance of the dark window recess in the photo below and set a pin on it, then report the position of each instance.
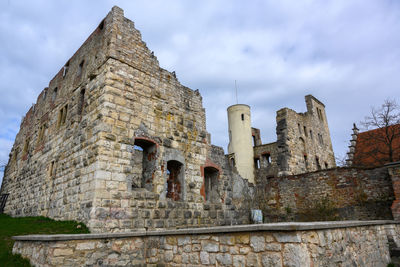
(233, 162)
(41, 133)
(81, 103)
(80, 68)
(242, 117)
(65, 70)
(101, 25)
(254, 140)
(211, 184)
(257, 163)
(319, 113)
(311, 136)
(62, 116)
(317, 162)
(320, 139)
(298, 126)
(144, 165)
(305, 131)
(267, 159)
(54, 96)
(174, 180)
(326, 165)
(52, 169)
(305, 162)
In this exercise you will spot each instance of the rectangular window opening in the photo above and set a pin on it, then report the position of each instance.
(80, 67)
(257, 163)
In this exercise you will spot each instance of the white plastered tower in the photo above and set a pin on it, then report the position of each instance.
(240, 140)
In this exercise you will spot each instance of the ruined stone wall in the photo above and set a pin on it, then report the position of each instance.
(51, 167)
(97, 175)
(322, 244)
(304, 143)
(144, 103)
(340, 193)
(394, 172)
(267, 155)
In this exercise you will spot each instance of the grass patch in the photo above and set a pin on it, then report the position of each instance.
(30, 225)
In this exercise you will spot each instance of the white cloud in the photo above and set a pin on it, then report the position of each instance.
(346, 53)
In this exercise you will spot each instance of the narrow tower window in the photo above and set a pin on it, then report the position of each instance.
(54, 96)
(242, 117)
(81, 101)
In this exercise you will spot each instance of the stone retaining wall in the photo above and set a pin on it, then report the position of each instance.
(350, 243)
(334, 194)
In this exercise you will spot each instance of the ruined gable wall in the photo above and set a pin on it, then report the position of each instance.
(302, 138)
(54, 176)
(141, 101)
(264, 153)
(334, 194)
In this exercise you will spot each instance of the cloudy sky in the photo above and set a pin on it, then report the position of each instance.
(344, 52)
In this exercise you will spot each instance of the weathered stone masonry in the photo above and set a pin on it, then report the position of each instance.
(285, 244)
(303, 143)
(339, 193)
(118, 143)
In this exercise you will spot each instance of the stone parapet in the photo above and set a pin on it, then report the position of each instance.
(290, 244)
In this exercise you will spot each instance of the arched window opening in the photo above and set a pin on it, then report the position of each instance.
(175, 180)
(145, 152)
(211, 184)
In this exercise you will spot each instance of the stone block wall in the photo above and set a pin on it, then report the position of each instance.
(394, 172)
(319, 244)
(267, 154)
(339, 193)
(304, 142)
(76, 154)
(53, 160)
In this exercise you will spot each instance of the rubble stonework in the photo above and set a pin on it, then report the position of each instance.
(326, 195)
(303, 143)
(117, 142)
(346, 245)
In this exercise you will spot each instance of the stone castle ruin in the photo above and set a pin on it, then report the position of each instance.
(117, 142)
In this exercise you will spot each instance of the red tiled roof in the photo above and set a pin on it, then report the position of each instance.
(372, 149)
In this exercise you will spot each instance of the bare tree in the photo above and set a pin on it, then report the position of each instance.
(381, 141)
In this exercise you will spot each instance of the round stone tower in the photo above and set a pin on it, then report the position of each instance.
(240, 140)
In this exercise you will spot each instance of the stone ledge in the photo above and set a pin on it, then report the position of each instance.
(286, 226)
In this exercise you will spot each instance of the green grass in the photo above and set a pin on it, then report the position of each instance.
(30, 225)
